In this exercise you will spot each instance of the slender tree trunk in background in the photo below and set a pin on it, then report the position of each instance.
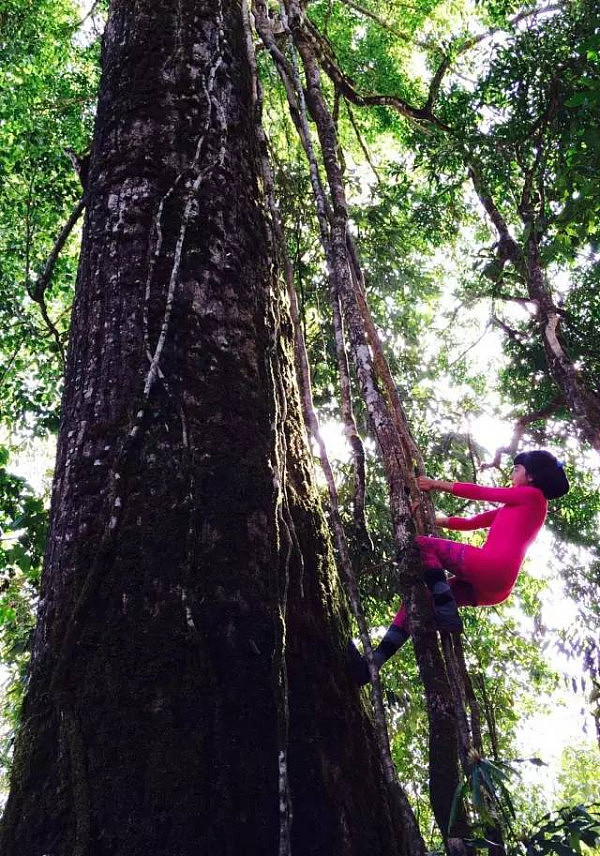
(188, 692)
(582, 401)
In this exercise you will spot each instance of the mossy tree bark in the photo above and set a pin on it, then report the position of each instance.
(188, 692)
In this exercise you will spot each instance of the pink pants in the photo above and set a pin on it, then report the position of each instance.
(477, 580)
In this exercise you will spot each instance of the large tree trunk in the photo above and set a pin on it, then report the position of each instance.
(188, 692)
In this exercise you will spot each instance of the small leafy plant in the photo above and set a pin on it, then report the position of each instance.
(570, 831)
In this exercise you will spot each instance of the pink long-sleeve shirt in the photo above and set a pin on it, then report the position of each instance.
(513, 527)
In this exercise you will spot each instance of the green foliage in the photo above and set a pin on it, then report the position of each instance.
(522, 112)
(48, 80)
(47, 89)
(23, 524)
(575, 518)
(568, 832)
(579, 777)
(376, 56)
(486, 793)
(535, 106)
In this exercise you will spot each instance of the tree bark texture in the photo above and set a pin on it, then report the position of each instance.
(187, 692)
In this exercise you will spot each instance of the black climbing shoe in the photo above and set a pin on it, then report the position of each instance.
(448, 621)
(357, 665)
(445, 609)
(394, 638)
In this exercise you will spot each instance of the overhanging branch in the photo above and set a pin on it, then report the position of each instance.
(37, 291)
(519, 429)
(461, 46)
(347, 87)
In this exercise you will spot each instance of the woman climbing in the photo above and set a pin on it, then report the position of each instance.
(481, 576)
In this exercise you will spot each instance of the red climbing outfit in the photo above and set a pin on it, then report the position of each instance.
(484, 576)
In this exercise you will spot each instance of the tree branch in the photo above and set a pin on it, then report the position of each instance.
(436, 82)
(519, 429)
(361, 142)
(526, 302)
(36, 292)
(512, 334)
(472, 345)
(11, 360)
(458, 48)
(374, 17)
(89, 14)
(507, 245)
(340, 79)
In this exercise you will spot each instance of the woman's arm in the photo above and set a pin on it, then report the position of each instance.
(506, 495)
(425, 483)
(479, 521)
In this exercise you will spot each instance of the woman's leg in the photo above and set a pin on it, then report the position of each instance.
(395, 636)
(437, 556)
(463, 593)
(491, 580)
(442, 553)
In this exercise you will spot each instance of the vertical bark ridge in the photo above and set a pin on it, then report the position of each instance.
(288, 536)
(443, 736)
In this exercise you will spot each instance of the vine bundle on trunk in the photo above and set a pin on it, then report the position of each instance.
(387, 418)
(413, 835)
